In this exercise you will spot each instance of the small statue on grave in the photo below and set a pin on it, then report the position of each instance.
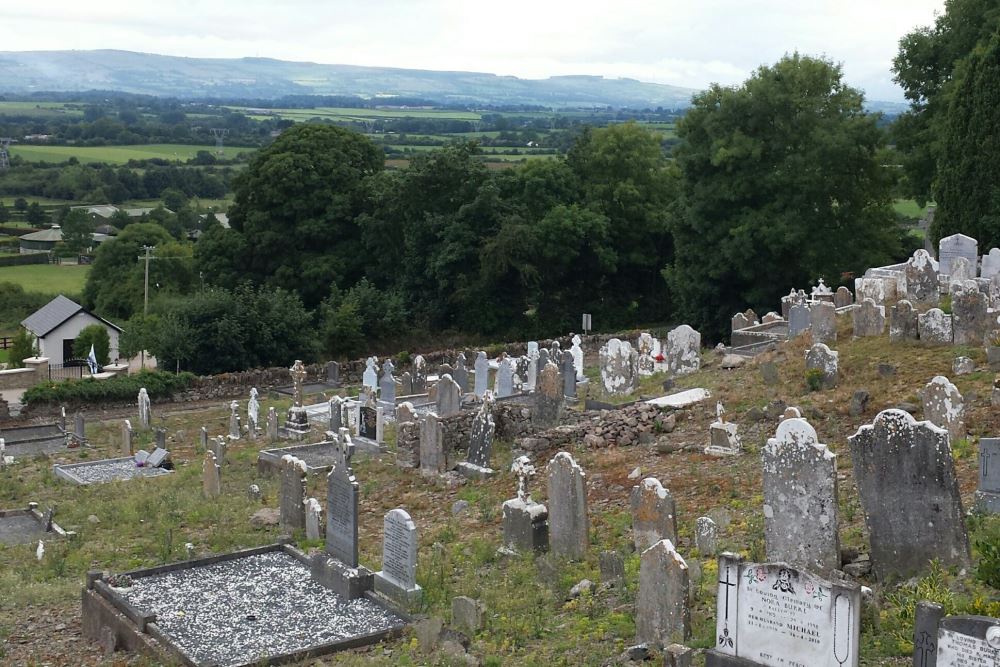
(524, 470)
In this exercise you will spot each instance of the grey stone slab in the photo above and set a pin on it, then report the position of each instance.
(342, 496)
(449, 397)
(211, 481)
(482, 374)
(957, 245)
(869, 319)
(902, 463)
(569, 525)
(433, 457)
(504, 380)
(822, 358)
(970, 314)
(460, 374)
(292, 494)
(525, 525)
(925, 632)
(548, 398)
(387, 383)
(654, 514)
(481, 436)
(801, 524)
(798, 320)
(922, 279)
(903, 322)
(662, 615)
(944, 406)
(612, 568)
(843, 297)
(988, 493)
(706, 536)
(823, 322)
(398, 577)
(467, 614)
(935, 327)
(568, 368)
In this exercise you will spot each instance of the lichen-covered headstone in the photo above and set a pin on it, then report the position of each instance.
(822, 358)
(988, 493)
(449, 397)
(398, 577)
(869, 319)
(433, 459)
(903, 322)
(706, 536)
(210, 476)
(902, 463)
(842, 297)
(683, 351)
(292, 512)
(335, 420)
(935, 327)
(801, 525)
(569, 525)
(963, 366)
(314, 519)
(253, 412)
(798, 320)
(662, 614)
(548, 398)
(644, 348)
(654, 514)
(619, 367)
(922, 279)
(460, 374)
(969, 314)
(482, 374)
(944, 406)
(961, 270)
(823, 319)
(481, 436)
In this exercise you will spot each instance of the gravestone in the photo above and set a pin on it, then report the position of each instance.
(988, 492)
(944, 406)
(292, 510)
(203, 439)
(954, 641)
(769, 373)
(482, 374)
(568, 375)
(801, 524)
(525, 522)
(548, 398)
(398, 577)
(145, 411)
(569, 526)
(481, 441)
(79, 427)
(644, 348)
(774, 615)
(619, 367)
(842, 297)
(961, 270)
(970, 319)
(991, 264)
(922, 279)
(449, 397)
(253, 412)
(126, 438)
(405, 413)
(335, 406)
(369, 379)
(521, 374)
(935, 327)
(314, 519)
(798, 320)
(739, 321)
(706, 536)
(387, 385)
(902, 463)
(342, 504)
(533, 367)
(771, 317)
(821, 292)
(577, 351)
(419, 374)
(218, 447)
(822, 358)
(723, 439)
(543, 359)
(235, 432)
(963, 366)
(869, 319)
(683, 351)
(211, 484)
(272, 424)
(612, 568)
(433, 459)
(445, 369)
(504, 381)
(823, 318)
(161, 438)
(662, 614)
(460, 375)
(956, 245)
(406, 384)
(368, 421)
(903, 322)
(333, 374)
(654, 514)
(297, 419)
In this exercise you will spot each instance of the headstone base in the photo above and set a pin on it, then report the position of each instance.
(349, 582)
(296, 424)
(525, 525)
(368, 446)
(988, 503)
(716, 659)
(472, 471)
(723, 440)
(403, 596)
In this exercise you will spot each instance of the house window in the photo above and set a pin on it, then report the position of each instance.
(68, 349)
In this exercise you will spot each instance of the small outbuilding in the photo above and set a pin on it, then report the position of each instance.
(57, 324)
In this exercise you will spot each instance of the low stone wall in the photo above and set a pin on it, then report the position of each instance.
(36, 370)
(635, 424)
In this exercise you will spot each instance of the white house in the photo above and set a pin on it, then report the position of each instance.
(57, 324)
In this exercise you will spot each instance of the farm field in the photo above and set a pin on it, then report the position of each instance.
(46, 278)
(340, 113)
(40, 109)
(118, 154)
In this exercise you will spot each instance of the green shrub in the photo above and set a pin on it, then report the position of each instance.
(814, 379)
(96, 335)
(945, 304)
(22, 347)
(987, 542)
(120, 388)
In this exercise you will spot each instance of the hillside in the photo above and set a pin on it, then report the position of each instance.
(152, 74)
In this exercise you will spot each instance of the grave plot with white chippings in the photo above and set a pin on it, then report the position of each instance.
(247, 609)
(108, 470)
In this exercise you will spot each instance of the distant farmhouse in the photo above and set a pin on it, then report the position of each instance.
(45, 240)
(57, 324)
(107, 210)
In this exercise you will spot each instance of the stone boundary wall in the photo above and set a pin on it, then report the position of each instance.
(639, 423)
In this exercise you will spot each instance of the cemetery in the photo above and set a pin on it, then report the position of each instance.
(821, 491)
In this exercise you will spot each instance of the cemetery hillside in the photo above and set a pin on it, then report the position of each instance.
(347, 365)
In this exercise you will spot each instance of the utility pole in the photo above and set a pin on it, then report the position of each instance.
(145, 297)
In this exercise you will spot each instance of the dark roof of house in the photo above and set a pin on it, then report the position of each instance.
(54, 313)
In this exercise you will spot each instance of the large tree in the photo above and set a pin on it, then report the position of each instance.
(968, 183)
(295, 207)
(780, 185)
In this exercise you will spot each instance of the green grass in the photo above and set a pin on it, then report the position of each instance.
(338, 113)
(118, 154)
(40, 109)
(46, 278)
(909, 208)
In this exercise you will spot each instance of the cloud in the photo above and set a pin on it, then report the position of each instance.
(684, 43)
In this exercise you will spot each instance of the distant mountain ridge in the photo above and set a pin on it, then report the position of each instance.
(261, 78)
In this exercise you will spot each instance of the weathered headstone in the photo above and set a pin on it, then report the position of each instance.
(314, 519)
(900, 462)
(738, 321)
(342, 504)
(569, 526)
(449, 397)
(292, 511)
(823, 318)
(706, 536)
(482, 374)
(481, 440)
(801, 525)
(467, 614)
(398, 577)
(387, 385)
(568, 375)
(525, 522)
(935, 327)
(297, 419)
(333, 374)
(774, 615)
(203, 439)
(161, 437)
(433, 458)
(843, 297)
(272, 424)
(548, 398)
(79, 427)
(335, 419)
(769, 373)
(218, 446)
(954, 641)
(419, 374)
(903, 322)
(145, 411)
(577, 351)
(235, 431)
(654, 514)
(822, 358)
(988, 492)
(253, 412)
(869, 319)
(963, 366)
(533, 367)
(922, 279)
(944, 406)
(723, 438)
(961, 270)
(619, 367)
(644, 348)
(210, 479)
(798, 320)
(504, 381)
(991, 264)
(956, 245)
(969, 314)
(683, 351)
(405, 413)
(612, 568)
(460, 374)
(662, 614)
(126, 438)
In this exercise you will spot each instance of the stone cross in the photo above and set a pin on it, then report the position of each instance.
(387, 384)
(369, 378)
(298, 373)
(654, 514)
(662, 615)
(524, 470)
(460, 374)
(569, 526)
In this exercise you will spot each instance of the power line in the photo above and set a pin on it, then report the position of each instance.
(5, 143)
(219, 133)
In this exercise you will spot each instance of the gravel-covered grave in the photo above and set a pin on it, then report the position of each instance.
(107, 470)
(238, 611)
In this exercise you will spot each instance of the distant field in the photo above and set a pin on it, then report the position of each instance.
(339, 113)
(8, 201)
(118, 154)
(40, 109)
(46, 278)
(909, 208)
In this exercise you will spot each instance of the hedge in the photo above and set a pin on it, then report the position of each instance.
(119, 388)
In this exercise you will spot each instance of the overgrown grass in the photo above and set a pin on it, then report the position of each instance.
(47, 278)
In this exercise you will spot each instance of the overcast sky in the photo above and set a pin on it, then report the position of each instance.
(689, 43)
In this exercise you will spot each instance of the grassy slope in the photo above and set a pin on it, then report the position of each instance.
(46, 278)
(529, 621)
(117, 154)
